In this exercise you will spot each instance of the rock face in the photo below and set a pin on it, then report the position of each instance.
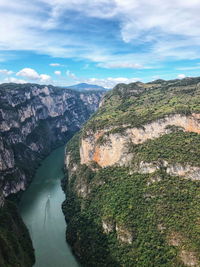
(33, 120)
(189, 258)
(114, 150)
(176, 169)
(133, 182)
(124, 235)
(108, 226)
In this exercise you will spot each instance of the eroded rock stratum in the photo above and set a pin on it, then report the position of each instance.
(134, 178)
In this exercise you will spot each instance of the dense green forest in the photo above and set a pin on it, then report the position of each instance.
(152, 219)
(138, 103)
(15, 243)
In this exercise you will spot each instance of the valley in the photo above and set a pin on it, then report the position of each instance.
(34, 120)
(131, 175)
(133, 179)
(99, 133)
(40, 208)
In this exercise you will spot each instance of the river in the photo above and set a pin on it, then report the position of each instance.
(40, 208)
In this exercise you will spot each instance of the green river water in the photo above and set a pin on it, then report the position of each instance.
(40, 208)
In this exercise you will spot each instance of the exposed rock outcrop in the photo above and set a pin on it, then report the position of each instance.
(176, 169)
(33, 120)
(114, 149)
(188, 257)
(108, 225)
(133, 178)
(124, 235)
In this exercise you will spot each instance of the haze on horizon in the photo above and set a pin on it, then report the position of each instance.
(103, 42)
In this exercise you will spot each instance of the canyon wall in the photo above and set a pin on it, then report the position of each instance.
(33, 120)
(15, 243)
(133, 174)
(107, 148)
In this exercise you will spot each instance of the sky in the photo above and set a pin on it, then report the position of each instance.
(103, 42)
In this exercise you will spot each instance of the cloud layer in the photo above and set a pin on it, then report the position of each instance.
(110, 82)
(57, 72)
(6, 72)
(32, 75)
(54, 64)
(110, 40)
(144, 32)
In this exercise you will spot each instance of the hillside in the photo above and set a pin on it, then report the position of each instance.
(34, 119)
(86, 87)
(133, 178)
(15, 244)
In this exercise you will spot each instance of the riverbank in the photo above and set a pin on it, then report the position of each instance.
(40, 208)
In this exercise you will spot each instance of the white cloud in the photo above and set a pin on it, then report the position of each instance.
(189, 68)
(57, 72)
(120, 65)
(151, 20)
(181, 76)
(14, 80)
(170, 28)
(44, 78)
(32, 75)
(71, 75)
(110, 82)
(54, 65)
(6, 72)
(28, 73)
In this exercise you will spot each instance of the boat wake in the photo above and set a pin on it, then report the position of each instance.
(47, 210)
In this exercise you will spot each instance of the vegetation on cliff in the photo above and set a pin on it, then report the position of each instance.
(120, 217)
(137, 103)
(34, 119)
(15, 243)
(179, 147)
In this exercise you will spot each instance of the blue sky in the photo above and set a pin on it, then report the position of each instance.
(104, 42)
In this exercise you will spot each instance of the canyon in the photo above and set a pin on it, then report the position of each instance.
(132, 171)
(34, 119)
(133, 175)
(115, 147)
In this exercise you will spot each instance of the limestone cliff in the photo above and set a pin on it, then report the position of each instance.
(33, 120)
(134, 177)
(107, 148)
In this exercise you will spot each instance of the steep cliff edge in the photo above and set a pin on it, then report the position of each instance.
(34, 119)
(15, 244)
(133, 178)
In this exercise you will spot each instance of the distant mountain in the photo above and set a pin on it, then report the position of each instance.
(33, 120)
(87, 87)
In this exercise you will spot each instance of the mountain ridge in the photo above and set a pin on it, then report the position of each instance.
(34, 119)
(27, 112)
(133, 178)
(86, 87)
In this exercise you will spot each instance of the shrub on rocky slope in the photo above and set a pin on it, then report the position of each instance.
(133, 178)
